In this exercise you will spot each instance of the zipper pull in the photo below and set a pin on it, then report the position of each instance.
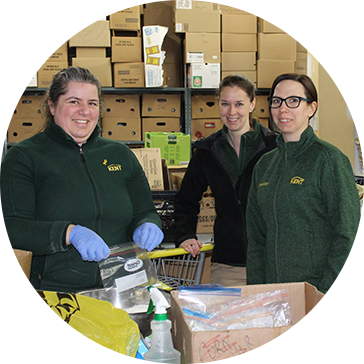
(82, 156)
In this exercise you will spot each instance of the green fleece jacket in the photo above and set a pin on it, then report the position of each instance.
(49, 182)
(303, 213)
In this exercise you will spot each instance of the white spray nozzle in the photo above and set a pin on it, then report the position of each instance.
(160, 302)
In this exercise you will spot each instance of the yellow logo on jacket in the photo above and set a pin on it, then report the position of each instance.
(263, 184)
(112, 167)
(297, 180)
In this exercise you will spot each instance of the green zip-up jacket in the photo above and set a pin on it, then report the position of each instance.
(48, 182)
(303, 213)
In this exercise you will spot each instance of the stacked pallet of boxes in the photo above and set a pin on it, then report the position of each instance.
(91, 44)
(276, 54)
(201, 25)
(239, 43)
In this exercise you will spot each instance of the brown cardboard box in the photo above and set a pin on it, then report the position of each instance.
(205, 106)
(126, 49)
(238, 60)
(52, 49)
(202, 128)
(206, 217)
(261, 107)
(20, 129)
(239, 23)
(324, 330)
(173, 73)
(193, 21)
(18, 50)
(151, 162)
(100, 67)
(90, 52)
(245, 7)
(202, 47)
(165, 125)
(127, 106)
(47, 71)
(251, 75)
(301, 63)
(268, 70)
(129, 74)
(161, 105)
(199, 6)
(14, 269)
(238, 42)
(95, 35)
(88, 7)
(123, 129)
(29, 107)
(31, 24)
(278, 19)
(277, 46)
(127, 19)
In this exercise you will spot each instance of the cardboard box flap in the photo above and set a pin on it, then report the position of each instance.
(24, 259)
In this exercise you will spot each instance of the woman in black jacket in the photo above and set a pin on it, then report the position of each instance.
(224, 161)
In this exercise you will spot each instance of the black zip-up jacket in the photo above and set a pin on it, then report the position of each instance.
(213, 164)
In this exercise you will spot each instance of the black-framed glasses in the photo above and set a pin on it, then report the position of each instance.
(292, 102)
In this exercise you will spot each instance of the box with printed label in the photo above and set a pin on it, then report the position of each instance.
(47, 71)
(196, 21)
(14, 269)
(52, 49)
(202, 47)
(127, 19)
(164, 125)
(123, 129)
(19, 74)
(161, 105)
(202, 128)
(18, 50)
(129, 74)
(126, 49)
(175, 147)
(205, 106)
(121, 106)
(239, 23)
(95, 35)
(203, 75)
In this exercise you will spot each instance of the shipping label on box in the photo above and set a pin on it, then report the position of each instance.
(48, 70)
(127, 19)
(202, 48)
(19, 74)
(203, 75)
(196, 21)
(126, 49)
(129, 74)
(154, 56)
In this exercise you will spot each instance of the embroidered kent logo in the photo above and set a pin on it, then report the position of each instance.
(112, 167)
(297, 180)
(263, 184)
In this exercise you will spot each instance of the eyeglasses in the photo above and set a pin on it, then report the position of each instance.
(292, 101)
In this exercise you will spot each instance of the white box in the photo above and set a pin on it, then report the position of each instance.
(20, 74)
(203, 75)
(154, 56)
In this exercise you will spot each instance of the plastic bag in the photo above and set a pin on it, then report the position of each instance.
(83, 330)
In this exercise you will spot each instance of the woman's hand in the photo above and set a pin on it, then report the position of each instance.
(193, 246)
(148, 236)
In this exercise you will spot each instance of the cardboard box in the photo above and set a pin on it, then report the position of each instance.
(205, 106)
(251, 75)
(127, 106)
(126, 49)
(278, 19)
(245, 7)
(203, 75)
(207, 215)
(129, 74)
(88, 7)
(236, 23)
(14, 269)
(239, 42)
(196, 5)
(175, 147)
(202, 48)
(19, 74)
(151, 162)
(161, 105)
(238, 61)
(173, 74)
(195, 21)
(127, 19)
(18, 50)
(90, 52)
(29, 107)
(21, 129)
(321, 328)
(47, 71)
(277, 46)
(52, 49)
(123, 129)
(154, 56)
(164, 125)
(261, 107)
(301, 63)
(32, 24)
(268, 70)
(100, 67)
(95, 35)
(202, 128)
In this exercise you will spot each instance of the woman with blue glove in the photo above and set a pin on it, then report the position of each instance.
(68, 194)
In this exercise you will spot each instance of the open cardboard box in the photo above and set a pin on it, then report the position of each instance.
(24, 259)
(325, 331)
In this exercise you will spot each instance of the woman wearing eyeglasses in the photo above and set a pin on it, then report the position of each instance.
(303, 208)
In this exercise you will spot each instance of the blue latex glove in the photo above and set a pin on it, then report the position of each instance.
(88, 244)
(148, 236)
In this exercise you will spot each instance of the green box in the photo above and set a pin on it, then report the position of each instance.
(175, 147)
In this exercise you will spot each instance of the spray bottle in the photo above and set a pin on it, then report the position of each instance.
(161, 350)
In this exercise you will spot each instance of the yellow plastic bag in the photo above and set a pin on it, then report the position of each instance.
(83, 330)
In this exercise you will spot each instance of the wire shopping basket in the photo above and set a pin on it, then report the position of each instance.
(176, 267)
